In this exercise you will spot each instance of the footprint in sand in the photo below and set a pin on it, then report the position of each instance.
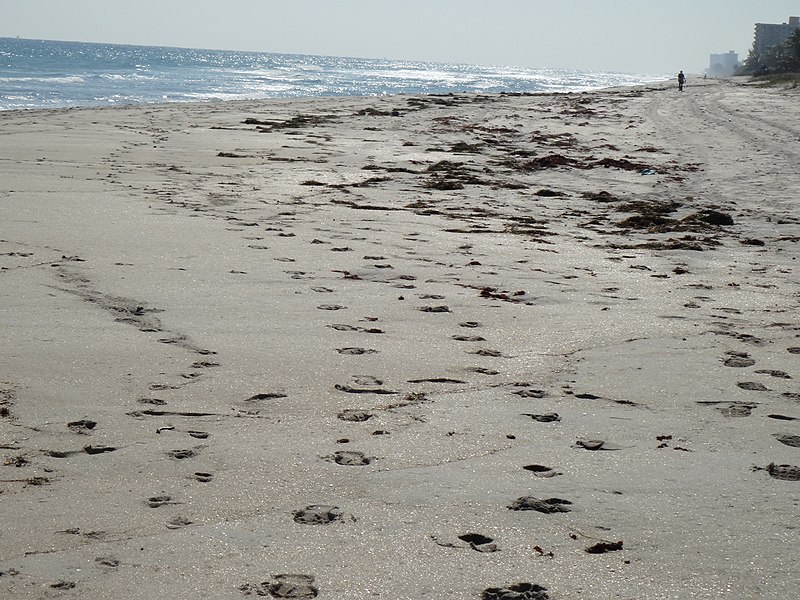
(98, 449)
(361, 390)
(483, 370)
(596, 445)
(152, 401)
(63, 585)
(203, 477)
(283, 586)
(541, 470)
(158, 501)
(349, 458)
(545, 418)
(737, 410)
(266, 396)
(319, 514)
(178, 523)
(82, 426)
(293, 586)
(107, 562)
(478, 542)
(774, 373)
(204, 364)
(434, 309)
(752, 386)
(547, 506)
(355, 351)
(331, 307)
(530, 393)
(738, 360)
(354, 415)
(783, 472)
(788, 440)
(182, 454)
(489, 352)
(438, 380)
(516, 591)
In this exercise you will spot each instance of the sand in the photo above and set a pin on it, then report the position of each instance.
(404, 347)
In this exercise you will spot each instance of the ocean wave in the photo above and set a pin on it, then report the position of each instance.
(61, 74)
(64, 80)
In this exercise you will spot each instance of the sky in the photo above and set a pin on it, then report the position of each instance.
(630, 36)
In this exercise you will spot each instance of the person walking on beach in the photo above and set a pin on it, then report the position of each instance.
(681, 80)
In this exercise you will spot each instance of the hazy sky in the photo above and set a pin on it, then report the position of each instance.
(641, 36)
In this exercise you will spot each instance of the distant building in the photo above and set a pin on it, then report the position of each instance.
(723, 65)
(768, 34)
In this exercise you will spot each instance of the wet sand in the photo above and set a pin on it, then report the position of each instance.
(406, 347)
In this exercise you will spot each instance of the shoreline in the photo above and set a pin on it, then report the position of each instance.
(664, 82)
(402, 347)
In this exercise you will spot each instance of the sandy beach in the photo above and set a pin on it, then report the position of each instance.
(409, 347)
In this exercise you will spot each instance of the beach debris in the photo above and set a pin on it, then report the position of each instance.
(15, 461)
(603, 546)
(540, 552)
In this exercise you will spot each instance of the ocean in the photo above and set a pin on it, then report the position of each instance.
(51, 74)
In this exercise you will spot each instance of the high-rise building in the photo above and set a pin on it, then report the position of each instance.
(723, 65)
(769, 34)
